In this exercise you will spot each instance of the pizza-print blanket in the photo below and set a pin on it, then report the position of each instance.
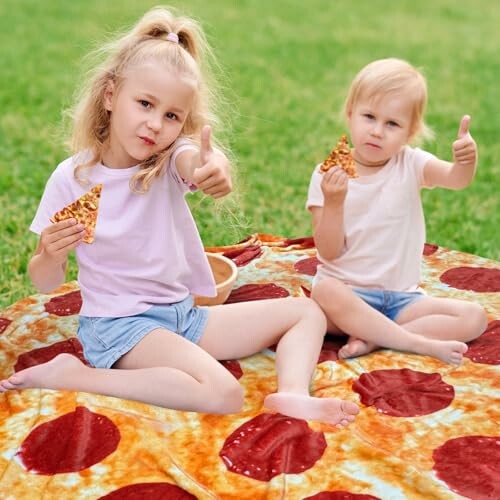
(426, 430)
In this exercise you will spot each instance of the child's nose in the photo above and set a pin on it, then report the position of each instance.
(377, 129)
(154, 122)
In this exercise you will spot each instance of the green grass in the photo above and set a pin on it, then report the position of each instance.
(288, 67)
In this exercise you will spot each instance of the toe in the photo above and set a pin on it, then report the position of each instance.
(5, 385)
(345, 422)
(14, 380)
(343, 352)
(350, 408)
(348, 350)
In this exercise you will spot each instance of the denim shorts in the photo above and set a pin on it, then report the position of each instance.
(105, 340)
(387, 302)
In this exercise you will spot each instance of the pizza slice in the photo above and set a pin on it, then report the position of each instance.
(341, 156)
(84, 210)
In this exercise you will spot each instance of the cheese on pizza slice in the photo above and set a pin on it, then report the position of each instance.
(84, 210)
(341, 156)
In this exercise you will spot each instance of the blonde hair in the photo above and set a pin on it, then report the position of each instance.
(396, 76)
(191, 58)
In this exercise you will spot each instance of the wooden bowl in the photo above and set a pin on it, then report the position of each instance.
(225, 273)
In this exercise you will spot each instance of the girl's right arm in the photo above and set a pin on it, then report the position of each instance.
(47, 267)
(328, 220)
(209, 169)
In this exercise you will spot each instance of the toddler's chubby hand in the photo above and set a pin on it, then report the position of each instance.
(334, 185)
(213, 176)
(58, 239)
(465, 148)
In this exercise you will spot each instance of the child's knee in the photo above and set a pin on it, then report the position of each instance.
(474, 320)
(329, 291)
(227, 397)
(310, 311)
(233, 397)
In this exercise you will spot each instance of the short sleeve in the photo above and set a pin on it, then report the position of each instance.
(182, 145)
(57, 194)
(315, 196)
(419, 158)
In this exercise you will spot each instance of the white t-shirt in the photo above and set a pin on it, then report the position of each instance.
(147, 249)
(383, 223)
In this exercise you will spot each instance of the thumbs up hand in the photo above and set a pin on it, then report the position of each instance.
(464, 147)
(213, 175)
(205, 144)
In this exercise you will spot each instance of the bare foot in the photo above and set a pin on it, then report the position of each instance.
(330, 410)
(51, 375)
(448, 351)
(356, 347)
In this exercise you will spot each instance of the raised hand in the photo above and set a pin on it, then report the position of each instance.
(464, 147)
(213, 176)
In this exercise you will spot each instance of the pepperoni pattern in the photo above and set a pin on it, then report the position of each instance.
(469, 465)
(330, 350)
(65, 305)
(44, 354)
(257, 292)
(234, 367)
(151, 491)
(4, 323)
(477, 279)
(241, 257)
(486, 348)
(55, 446)
(404, 393)
(430, 249)
(307, 266)
(340, 495)
(269, 445)
(425, 429)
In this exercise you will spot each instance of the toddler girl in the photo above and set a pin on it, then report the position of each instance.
(370, 230)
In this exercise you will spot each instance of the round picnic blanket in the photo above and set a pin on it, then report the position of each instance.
(425, 429)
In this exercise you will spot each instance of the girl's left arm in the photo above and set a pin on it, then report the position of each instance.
(209, 169)
(459, 174)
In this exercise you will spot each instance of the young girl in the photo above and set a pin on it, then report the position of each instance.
(370, 231)
(136, 132)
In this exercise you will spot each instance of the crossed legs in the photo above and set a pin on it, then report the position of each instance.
(429, 326)
(432, 317)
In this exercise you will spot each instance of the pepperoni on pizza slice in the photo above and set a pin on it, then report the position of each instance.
(84, 210)
(341, 156)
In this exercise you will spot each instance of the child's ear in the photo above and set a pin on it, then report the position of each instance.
(108, 95)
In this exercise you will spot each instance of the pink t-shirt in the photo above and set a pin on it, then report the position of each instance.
(147, 249)
(383, 224)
